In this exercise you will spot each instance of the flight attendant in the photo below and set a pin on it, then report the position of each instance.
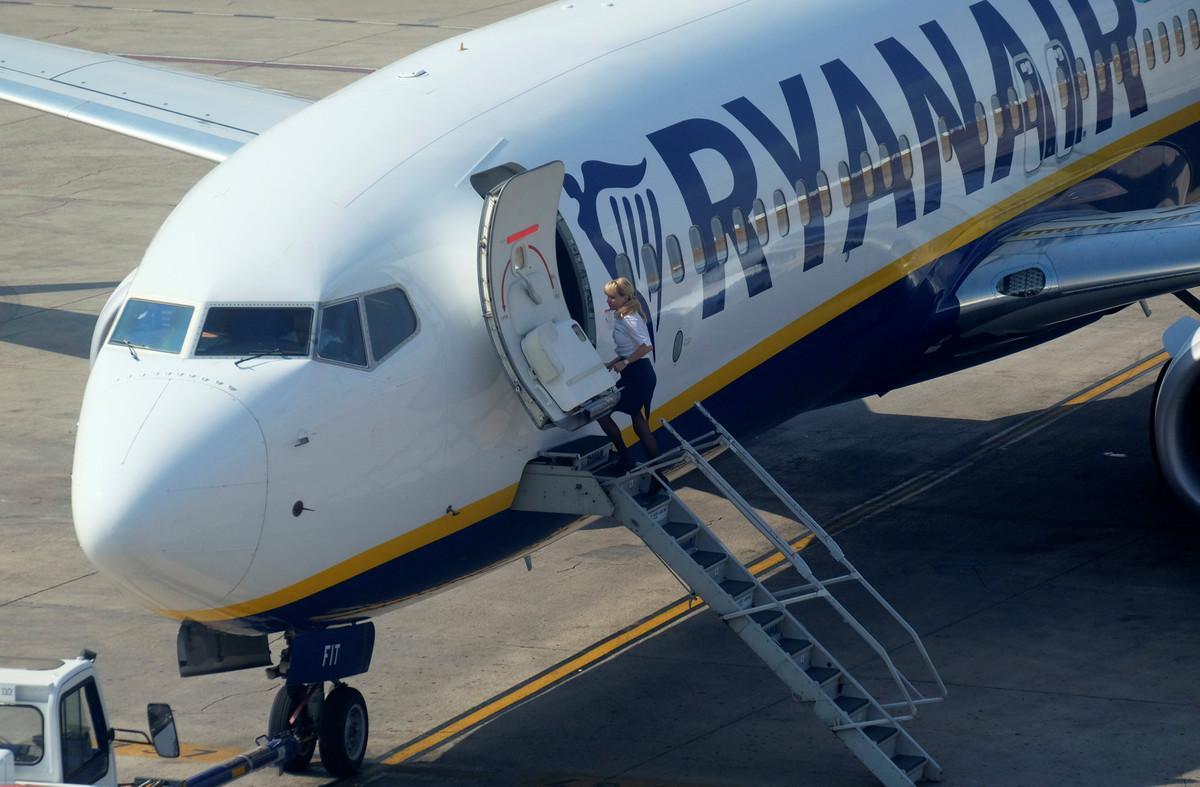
(632, 338)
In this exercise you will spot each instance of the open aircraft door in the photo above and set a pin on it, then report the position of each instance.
(557, 373)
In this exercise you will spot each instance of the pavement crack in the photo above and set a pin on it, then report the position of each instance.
(234, 695)
(47, 589)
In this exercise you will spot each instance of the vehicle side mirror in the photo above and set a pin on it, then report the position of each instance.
(162, 729)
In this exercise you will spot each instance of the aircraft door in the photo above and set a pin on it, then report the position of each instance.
(554, 368)
(1032, 108)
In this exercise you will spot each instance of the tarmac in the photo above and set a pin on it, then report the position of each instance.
(1012, 513)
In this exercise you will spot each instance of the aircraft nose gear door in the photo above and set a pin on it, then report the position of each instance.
(554, 369)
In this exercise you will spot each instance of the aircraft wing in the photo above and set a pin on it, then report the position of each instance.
(193, 113)
(1044, 274)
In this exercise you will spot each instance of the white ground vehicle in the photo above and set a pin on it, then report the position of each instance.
(54, 726)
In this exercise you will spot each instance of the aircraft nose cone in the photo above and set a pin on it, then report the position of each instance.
(169, 489)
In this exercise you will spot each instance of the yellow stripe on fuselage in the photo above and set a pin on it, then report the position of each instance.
(968, 231)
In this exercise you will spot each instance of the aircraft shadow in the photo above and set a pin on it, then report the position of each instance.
(1053, 581)
(52, 330)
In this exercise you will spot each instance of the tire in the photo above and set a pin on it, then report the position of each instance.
(344, 729)
(285, 703)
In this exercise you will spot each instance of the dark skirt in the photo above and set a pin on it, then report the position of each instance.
(637, 387)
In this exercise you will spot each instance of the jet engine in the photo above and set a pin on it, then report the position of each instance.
(1175, 413)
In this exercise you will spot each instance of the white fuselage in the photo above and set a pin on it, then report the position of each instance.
(188, 469)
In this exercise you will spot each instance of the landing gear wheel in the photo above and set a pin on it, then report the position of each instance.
(344, 730)
(287, 700)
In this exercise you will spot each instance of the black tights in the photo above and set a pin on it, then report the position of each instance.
(641, 428)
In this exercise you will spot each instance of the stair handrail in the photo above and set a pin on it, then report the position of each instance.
(823, 536)
(785, 548)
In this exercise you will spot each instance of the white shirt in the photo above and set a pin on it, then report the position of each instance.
(629, 333)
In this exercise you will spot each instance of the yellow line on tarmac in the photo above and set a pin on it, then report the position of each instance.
(187, 752)
(680, 609)
(1115, 382)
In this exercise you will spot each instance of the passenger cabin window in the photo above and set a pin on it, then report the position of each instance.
(341, 336)
(844, 180)
(149, 325)
(739, 231)
(84, 736)
(886, 173)
(759, 218)
(1164, 42)
(722, 248)
(675, 259)
(981, 124)
(248, 330)
(650, 265)
(1148, 46)
(802, 202)
(867, 172)
(998, 115)
(699, 259)
(906, 161)
(823, 193)
(1118, 72)
(1101, 71)
(624, 267)
(390, 321)
(1194, 27)
(1135, 58)
(1180, 45)
(1081, 77)
(783, 221)
(944, 139)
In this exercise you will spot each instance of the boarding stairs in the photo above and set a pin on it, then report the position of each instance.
(769, 620)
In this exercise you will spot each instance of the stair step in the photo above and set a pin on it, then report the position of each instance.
(850, 705)
(909, 763)
(736, 587)
(649, 500)
(708, 559)
(767, 618)
(680, 530)
(792, 647)
(880, 733)
(822, 675)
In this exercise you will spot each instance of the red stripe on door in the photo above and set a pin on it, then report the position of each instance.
(525, 233)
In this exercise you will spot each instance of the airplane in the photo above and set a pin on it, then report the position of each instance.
(314, 398)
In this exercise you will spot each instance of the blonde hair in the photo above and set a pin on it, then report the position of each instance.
(623, 287)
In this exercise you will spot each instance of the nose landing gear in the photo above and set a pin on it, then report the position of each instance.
(336, 722)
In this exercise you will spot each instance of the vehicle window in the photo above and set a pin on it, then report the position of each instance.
(802, 202)
(246, 330)
(84, 737)
(1179, 42)
(625, 267)
(906, 160)
(1014, 109)
(390, 320)
(1164, 41)
(844, 180)
(21, 733)
(1102, 70)
(998, 115)
(341, 337)
(1194, 26)
(153, 326)
(675, 258)
(650, 265)
(943, 131)
(783, 221)
(1118, 72)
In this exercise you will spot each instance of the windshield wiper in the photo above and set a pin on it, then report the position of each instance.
(277, 352)
(132, 351)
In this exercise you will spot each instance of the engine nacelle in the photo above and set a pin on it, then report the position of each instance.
(1177, 412)
(104, 321)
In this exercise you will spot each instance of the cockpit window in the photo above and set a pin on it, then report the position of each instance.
(247, 330)
(341, 337)
(153, 326)
(390, 320)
